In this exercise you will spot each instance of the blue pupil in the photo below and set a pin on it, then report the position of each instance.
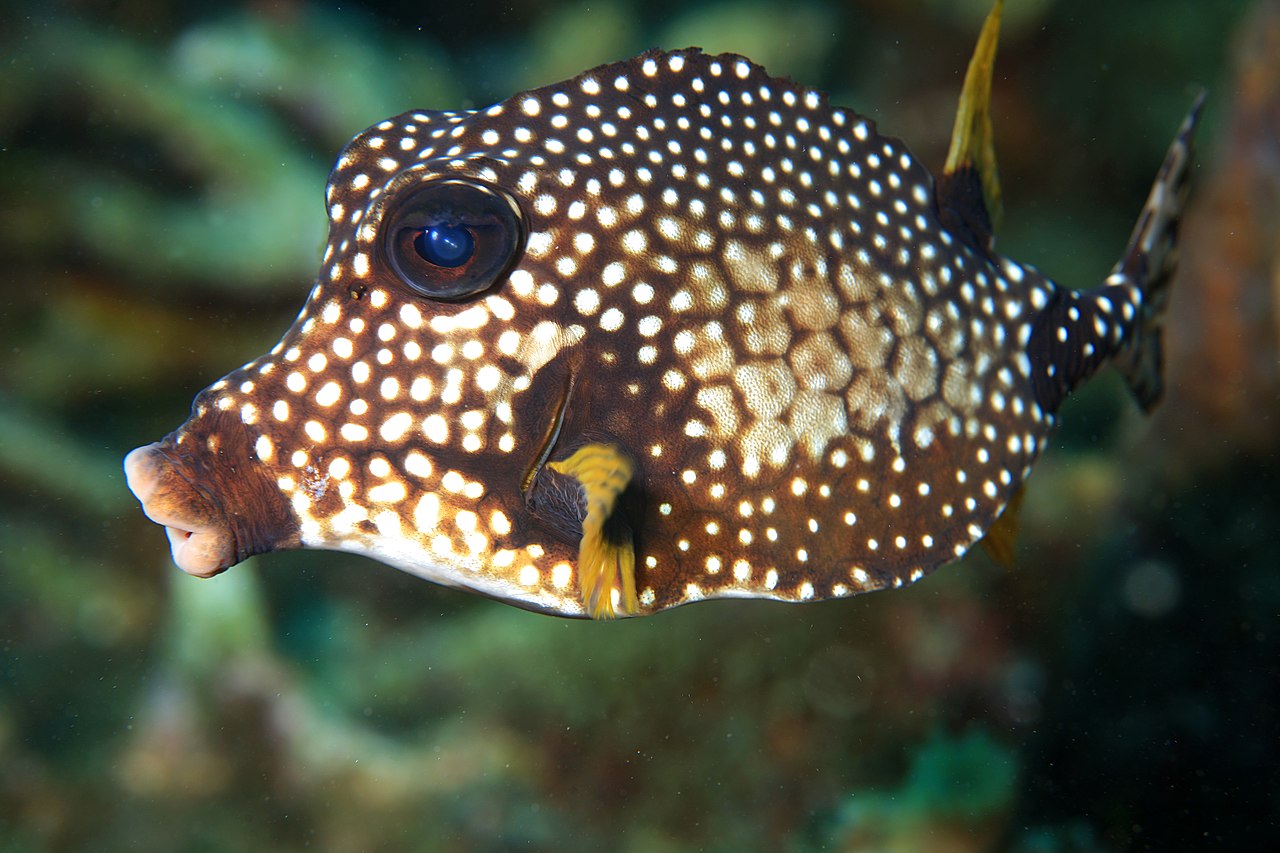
(445, 245)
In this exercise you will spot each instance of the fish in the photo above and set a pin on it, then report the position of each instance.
(669, 331)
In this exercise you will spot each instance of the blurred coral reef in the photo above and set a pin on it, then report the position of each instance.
(163, 168)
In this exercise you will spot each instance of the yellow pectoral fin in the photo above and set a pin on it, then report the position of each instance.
(606, 557)
(972, 139)
(999, 541)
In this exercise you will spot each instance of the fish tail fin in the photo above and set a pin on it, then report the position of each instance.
(1148, 264)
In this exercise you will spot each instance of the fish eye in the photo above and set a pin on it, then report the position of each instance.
(451, 239)
(447, 245)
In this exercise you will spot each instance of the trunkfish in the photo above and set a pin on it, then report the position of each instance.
(671, 330)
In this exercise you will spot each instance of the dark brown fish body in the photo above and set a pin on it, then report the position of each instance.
(674, 314)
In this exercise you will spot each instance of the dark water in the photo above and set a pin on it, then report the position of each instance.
(162, 168)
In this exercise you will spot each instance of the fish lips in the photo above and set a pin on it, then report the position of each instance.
(210, 527)
(199, 535)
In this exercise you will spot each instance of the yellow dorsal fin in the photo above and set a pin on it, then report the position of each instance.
(1000, 538)
(606, 567)
(972, 139)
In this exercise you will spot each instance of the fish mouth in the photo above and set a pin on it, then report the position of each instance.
(200, 538)
(217, 501)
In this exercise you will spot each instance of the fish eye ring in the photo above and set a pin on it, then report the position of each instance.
(451, 239)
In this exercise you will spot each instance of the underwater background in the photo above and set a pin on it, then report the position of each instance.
(161, 176)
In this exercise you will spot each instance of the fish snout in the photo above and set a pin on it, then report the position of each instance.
(199, 536)
(216, 512)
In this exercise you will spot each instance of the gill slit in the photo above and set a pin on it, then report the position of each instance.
(550, 438)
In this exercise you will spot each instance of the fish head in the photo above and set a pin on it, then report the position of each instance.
(464, 289)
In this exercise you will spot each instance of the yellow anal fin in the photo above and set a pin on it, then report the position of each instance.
(972, 139)
(605, 565)
(1000, 538)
